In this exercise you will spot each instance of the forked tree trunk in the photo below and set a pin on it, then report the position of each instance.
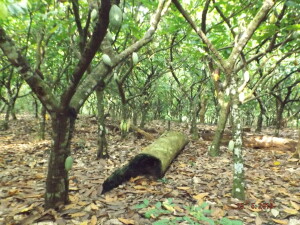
(57, 183)
(214, 148)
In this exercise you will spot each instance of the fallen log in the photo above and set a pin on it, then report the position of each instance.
(154, 160)
(256, 141)
(148, 136)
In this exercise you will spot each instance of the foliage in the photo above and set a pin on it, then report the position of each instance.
(194, 214)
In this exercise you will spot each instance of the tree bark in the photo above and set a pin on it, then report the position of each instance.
(260, 117)
(238, 188)
(154, 160)
(214, 149)
(193, 111)
(57, 183)
(102, 151)
(42, 124)
(203, 110)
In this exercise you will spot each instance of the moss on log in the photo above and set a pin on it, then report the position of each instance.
(154, 160)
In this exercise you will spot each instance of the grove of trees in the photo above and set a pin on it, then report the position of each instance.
(206, 61)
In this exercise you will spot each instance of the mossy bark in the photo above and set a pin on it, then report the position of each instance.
(154, 160)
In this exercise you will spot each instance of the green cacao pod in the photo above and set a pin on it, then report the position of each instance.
(109, 36)
(106, 60)
(231, 145)
(127, 125)
(135, 58)
(272, 18)
(94, 14)
(68, 163)
(115, 16)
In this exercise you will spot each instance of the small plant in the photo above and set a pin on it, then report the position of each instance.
(142, 205)
(194, 214)
(163, 180)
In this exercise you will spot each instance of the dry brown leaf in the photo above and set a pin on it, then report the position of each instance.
(200, 196)
(140, 187)
(295, 205)
(126, 221)
(39, 176)
(79, 214)
(284, 222)
(94, 207)
(217, 213)
(70, 206)
(183, 188)
(177, 208)
(13, 192)
(84, 223)
(93, 220)
(133, 179)
(82, 203)
(258, 220)
(290, 211)
(110, 199)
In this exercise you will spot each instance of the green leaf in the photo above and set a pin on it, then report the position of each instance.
(293, 27)
(142, 205)
(226, 221)
(292, 4)
(3, 11)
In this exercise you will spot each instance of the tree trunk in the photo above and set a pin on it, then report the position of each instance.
(279, 119)
(260, 117)
(144, 115)
(12, 103)
(169, 125)
(5, 124)
(36, 108)
(57, 183)
(238, 189)
(124, 120)
(194, 130)
(102, 151)
(134, 117)
(214, 149)
(42, 124)
(202, 110)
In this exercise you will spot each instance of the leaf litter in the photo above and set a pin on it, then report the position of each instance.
(192, 179)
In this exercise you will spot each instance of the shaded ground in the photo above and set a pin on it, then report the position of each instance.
(272, 179)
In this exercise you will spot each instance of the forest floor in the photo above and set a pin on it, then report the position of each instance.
(196, 189)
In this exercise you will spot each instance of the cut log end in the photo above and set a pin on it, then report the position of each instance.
(153, 161)
(142, 164)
